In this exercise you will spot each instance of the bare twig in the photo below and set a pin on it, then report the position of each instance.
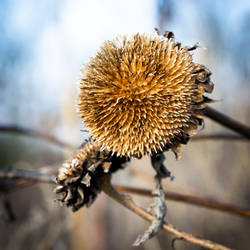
(108, 189)
(218, 136)
(56, 141)
(34, 133)
(148, 178)
(15, 183)
(227, 121)
(6, 211)
(27, 175)
(26, 178)
(193, 200)
(128, 203)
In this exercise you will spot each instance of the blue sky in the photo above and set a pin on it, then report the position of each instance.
(45, 43)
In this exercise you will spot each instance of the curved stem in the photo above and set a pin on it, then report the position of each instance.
(128, 203)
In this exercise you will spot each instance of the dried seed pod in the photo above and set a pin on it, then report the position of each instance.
(143, 95)
(77, 178)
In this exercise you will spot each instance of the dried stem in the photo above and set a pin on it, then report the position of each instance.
(36, 134)
(227, 121)
(128, 203)
(57, 142)
(193, 200)
(218, 136)
(148, 178)
(28, 177)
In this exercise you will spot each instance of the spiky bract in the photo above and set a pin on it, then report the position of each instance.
(77, 178)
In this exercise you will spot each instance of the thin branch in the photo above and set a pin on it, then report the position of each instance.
(15, 183)
(108, 189)
(56, 141)
(218, 136)
(47, 175)
(29, 175)
(36, 134)
(148, 178)
(227, 121)
(193, 200)
(128, 203)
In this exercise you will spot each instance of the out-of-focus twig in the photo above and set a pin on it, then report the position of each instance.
(56, 141)
(14, 183)
(127, 202)
(27, 175)
(110, 191)
(218, 136)
(227, 121)
(148, 178)
(25, 178)
(37, 134)
(193, 200)
(6, 211)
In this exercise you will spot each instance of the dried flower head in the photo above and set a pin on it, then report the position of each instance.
(142, 94)
(77, 178)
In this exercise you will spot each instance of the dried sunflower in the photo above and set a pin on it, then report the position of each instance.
(77, 178)
(142, 95)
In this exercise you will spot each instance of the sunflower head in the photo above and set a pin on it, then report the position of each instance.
(142, 94)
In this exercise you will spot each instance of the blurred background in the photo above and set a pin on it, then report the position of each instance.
(43, 45)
